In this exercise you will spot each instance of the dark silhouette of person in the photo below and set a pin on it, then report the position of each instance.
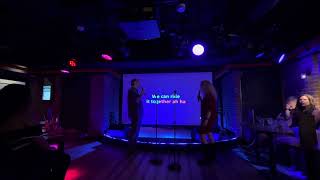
(135, 109)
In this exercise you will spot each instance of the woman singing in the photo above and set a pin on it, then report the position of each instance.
(207, 96)
(307, 117)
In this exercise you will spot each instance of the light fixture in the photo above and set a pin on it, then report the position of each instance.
(72, 62)
(260, 55)
(64, 71)
(281, 58)
(181, 8)
(198, 49)
(106, 57)
(81, 28)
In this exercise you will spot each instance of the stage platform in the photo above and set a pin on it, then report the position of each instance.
(165, 136)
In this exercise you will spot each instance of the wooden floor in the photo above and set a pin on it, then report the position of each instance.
(110, 162)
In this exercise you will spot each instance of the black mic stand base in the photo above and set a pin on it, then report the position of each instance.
(174, 167)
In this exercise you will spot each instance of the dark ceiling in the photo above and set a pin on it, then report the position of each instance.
(38, 32)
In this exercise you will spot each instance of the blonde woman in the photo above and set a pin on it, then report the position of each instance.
(207, 96)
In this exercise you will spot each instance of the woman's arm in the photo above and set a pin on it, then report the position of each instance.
(316, 114)
(288, 116)
(205, 122)
(287, 113)
(289, 121)
(139, 96)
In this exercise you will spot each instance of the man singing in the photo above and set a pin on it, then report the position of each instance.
(135, 109)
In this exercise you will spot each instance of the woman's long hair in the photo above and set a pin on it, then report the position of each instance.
(209, 88)
(312, 105)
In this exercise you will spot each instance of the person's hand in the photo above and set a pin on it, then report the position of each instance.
(287, 106)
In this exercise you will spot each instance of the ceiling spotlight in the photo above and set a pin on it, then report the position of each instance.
(260, 55)
(181, 8)
(64, 71)
(106, 57)
(303, 76)
(198, 49)
(281, 58)
(81, 28)
(72, 62)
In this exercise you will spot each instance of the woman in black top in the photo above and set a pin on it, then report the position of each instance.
(307, 117)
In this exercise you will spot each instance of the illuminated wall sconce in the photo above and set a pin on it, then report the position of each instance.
(303, 76)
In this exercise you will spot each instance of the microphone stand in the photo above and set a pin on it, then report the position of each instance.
(156, 160)
(175, 165)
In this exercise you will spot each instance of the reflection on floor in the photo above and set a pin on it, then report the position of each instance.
(79, 151)
(105, 161)
(287, 172)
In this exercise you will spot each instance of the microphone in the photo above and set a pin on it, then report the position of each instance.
(142, 91)
(175, 92)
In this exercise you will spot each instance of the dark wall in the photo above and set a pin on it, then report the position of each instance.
(76, 102)
(261, 91)
(88, 101)
(104, 102)
(260, 96)
(231, 101)
(242, 91)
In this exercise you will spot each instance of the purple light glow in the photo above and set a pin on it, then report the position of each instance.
(81, 28)
(64, 71)
(259, 55)
(198, 49)
(281, 58)
(106, 57)
(54, 146)
(303, 76)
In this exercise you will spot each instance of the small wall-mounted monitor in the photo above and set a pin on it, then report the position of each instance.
(46, 93)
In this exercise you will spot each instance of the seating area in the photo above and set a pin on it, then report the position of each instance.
(278, 148)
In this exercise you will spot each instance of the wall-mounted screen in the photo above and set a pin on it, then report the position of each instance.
(46, 93)
(171, 98)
